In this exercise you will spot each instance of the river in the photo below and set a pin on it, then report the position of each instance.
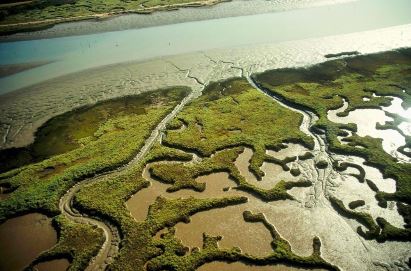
(77, 53)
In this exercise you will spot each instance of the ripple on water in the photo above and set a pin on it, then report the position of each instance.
(23, 238)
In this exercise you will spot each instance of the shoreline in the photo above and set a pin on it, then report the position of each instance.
(10, 69)
(13, 28)
(127, 20)
(76, 53)
(28, 108)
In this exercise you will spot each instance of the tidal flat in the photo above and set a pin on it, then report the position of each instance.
(248, 171)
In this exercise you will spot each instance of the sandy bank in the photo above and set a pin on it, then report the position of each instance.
(162, 15)
(23, 111)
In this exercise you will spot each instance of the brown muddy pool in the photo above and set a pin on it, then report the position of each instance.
(273, 173)
(53, 265)
(255, 239)
(293, 220)
(3, 196)
(228, 222)
(139, 203)
(23, 238)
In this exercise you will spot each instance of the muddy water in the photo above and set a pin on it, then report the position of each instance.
(273, 173)
(295, 222)
(366, 121)
(82, 52)
(53, 265)
(139, 203)
(351, 189)
(227, 222)
(24, 238)
(4, 196)
(243, 162)
(252, 238)
(291, 150)
(387, 185)
(405, 128)
(222, 266)
(313, 215)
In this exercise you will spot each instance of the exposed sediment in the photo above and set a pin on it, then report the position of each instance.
(25, 110)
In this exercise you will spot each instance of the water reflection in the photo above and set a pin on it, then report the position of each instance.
(366, 121)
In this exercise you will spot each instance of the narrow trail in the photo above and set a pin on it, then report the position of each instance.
(112, 237)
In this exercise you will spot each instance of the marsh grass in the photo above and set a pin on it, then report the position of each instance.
(36, 15)
(321, 88)
(233, 105)
(76, 242)
(229, 116)
(116, 139)
(220, 147)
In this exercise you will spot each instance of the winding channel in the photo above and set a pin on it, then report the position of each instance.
(111, 233)
(320, 148)
(320, 178)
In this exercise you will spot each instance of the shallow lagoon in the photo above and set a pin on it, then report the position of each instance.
(24, 238)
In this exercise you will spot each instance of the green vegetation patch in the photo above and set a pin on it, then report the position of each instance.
(138, 246)
(321, 87)
(176, 256)
(39, 186)
(217, 126)
(361, 217)
(17, 16)
(183, 175)
(77, 242)
(73, 129)
(232, 113)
